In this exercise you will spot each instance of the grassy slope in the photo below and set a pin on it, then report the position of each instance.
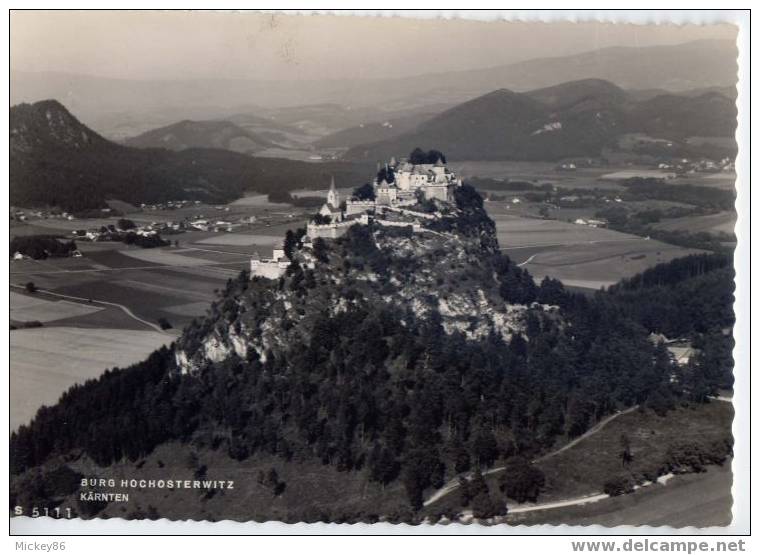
(584, 469)
(313, 491)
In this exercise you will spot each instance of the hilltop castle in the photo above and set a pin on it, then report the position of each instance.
(397, 187)
(391, 200)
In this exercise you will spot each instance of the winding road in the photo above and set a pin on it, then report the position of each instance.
(454, 483)
(123, 308)
(582, 500)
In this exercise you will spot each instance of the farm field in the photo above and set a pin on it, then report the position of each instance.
(722, 222)
(47, 361)
(28, 308)
(588, 178)
(535, 172)
(177, 284)
(578, 255)
(242, 240)
(628, 174)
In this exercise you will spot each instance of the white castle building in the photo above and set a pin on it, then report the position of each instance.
(271, 268)
(409, 183)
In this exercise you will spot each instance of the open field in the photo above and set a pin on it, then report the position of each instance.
(686, 500)
(176, 284)
(643, 173)
(722, 222)
(536, 173)
(607, 177)
(28, 308)
(578, 255)
(242, 240)
(166, 257)
(47, 361)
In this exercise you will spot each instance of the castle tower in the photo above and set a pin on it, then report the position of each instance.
(333, 198)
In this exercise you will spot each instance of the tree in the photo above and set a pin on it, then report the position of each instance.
(383, 466)
(484, 506)
(385, 174)
(164, 323)
(625, 449)
(618, 485)
(321, 219)
(365, 192)
(30, 287)
(484, 447)
(521, 480)
(419, 156)
(320, 249)
(125, 224)
(289, 243)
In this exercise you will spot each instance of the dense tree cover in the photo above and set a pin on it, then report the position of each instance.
(145, 242)
(41, 246)
(388, 392)
(125, 412)
(419, 156)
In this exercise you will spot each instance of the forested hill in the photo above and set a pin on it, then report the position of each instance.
(575, 119)
(55, 160)
(405, 357)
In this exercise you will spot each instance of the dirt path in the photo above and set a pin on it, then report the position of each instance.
(151, 267)
(591, 431)
(531, 257)
(454, 483)
(125, 309)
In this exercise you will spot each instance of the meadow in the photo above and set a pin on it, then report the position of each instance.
(579, 255)
(47, 361)
(722, 222)
(29, 308)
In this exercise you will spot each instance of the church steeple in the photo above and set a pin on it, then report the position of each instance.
(333, 199)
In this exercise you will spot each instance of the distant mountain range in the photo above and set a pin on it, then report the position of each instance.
(575, 119)
(201, 134)
(55, 160)
(121, 108)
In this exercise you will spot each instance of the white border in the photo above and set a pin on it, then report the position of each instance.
(741, 524)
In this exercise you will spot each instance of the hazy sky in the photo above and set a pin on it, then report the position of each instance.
(177, 45)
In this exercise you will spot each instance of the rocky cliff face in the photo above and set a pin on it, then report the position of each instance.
(448, 272)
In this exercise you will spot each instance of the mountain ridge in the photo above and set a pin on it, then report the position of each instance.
(57, 161)
(574, 119)
(201, 134)
(672, 67)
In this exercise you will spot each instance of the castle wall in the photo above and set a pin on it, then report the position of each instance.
(357, 207)
(327, 231)
(270, 269)
(440, 192)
